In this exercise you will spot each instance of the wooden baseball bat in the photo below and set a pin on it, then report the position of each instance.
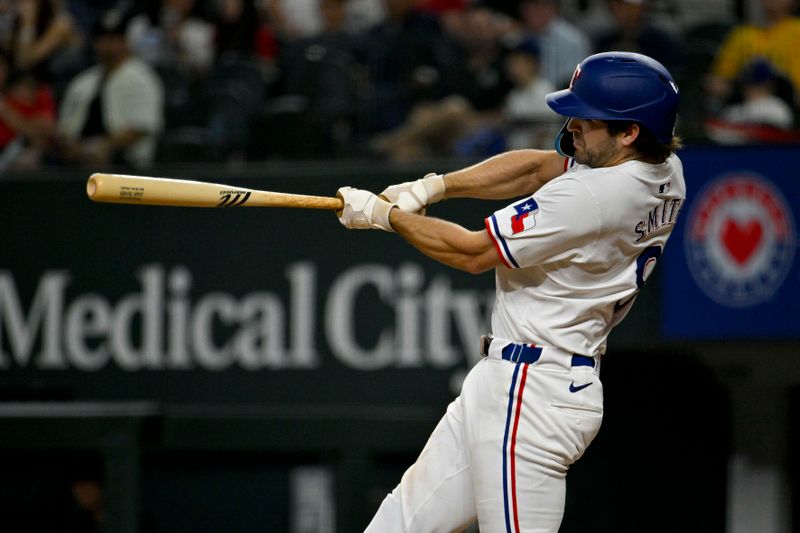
(123, 189)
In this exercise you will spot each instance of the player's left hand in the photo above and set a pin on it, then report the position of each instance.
(363, 210)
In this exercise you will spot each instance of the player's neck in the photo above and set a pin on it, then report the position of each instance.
(623, 156)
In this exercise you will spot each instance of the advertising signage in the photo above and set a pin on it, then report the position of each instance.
(731, 267)
(119, 302)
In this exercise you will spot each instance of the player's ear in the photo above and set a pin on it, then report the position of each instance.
(630, 134)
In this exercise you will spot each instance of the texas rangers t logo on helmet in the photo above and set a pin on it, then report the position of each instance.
(524, 217)
(575, 76)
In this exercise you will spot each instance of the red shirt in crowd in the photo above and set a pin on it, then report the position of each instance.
(43, 105)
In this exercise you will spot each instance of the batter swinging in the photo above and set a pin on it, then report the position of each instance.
(569, 258)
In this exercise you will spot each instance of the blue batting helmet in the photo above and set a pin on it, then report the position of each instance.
(618, 86)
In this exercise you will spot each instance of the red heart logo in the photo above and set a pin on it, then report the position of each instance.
(742, 241)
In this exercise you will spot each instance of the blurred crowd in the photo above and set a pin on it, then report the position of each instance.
(119, 82)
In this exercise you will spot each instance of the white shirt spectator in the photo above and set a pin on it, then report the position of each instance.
(363, 15)
(563, 47)
(193, 45)
(301, 17)
(530, 117)
(527, 103)
(766, 110)
(132, 98)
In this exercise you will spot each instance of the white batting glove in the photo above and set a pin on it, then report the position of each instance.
(363, 210)
(415, 196)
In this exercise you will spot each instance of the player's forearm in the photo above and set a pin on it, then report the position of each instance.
(448, 243)
(508, 175)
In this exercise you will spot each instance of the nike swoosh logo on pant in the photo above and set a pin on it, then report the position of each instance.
(573, 388)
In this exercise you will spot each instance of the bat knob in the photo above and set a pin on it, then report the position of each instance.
(91, 186)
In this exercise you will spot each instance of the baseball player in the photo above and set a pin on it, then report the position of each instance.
(569, 258)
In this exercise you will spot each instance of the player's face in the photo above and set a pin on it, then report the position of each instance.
(594, 146)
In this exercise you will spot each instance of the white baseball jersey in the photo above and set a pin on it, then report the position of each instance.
(577, 251)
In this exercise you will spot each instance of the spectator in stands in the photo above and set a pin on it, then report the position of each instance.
(760, 104)
(406, 59)
(479, 87)
(434, 129)
(480, 33)
(236, 23)
(113, 111)
(761, 116)
(777, 39)
(529, 121)
(332, 14)
(46, 38)
(170, 33)
(8, 15)
(27, 118)
(363, 15)
(442, 7)
(44, 29)
(509, 8)
(322, 71)
(633, 31)
(563, 45)
(453, 127)
(267, 45)
(296, 19)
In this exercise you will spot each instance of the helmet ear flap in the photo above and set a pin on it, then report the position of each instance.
(564, 144)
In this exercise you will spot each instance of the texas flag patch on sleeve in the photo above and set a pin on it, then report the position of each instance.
(507, 223)
(524, 216)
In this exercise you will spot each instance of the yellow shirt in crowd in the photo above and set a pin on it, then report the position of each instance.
(779, 43)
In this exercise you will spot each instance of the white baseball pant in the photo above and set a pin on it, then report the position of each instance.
(502, 450)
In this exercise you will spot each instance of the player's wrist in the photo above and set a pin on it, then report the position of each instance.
(381, 215)
(434, 187)
(415, 196)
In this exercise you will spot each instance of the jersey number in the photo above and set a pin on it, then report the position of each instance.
(645, 264)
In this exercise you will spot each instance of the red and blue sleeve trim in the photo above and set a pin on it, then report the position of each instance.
(500, 243)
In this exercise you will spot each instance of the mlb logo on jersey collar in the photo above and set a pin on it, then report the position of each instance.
(524, 217)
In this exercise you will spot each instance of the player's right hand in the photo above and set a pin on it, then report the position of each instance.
(415, 196)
